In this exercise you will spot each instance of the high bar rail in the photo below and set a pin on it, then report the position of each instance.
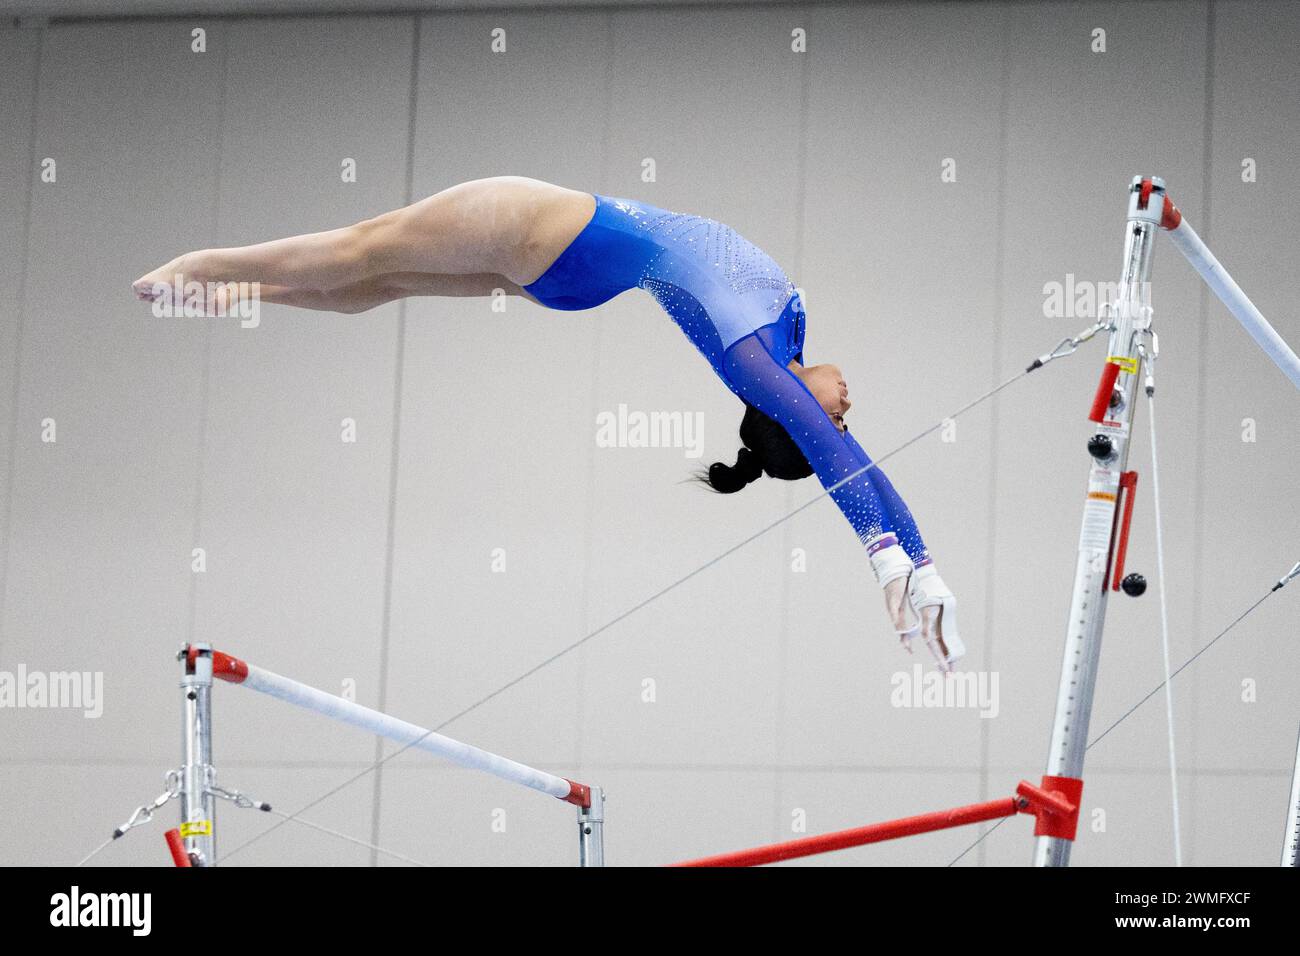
(1200, 257)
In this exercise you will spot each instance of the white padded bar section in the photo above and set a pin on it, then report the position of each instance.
(1217, 278)
(300, 695)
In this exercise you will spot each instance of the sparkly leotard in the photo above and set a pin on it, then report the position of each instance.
(742, 312)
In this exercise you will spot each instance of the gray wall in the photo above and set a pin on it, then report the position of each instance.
(371, 563)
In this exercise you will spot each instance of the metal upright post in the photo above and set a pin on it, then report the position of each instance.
(1291, 838)
(591, 830)
(198, 803)
(1109, 448)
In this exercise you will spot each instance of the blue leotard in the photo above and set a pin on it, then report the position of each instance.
(742, 312)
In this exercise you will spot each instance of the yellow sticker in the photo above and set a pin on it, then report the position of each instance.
(196, 828)
(1129, 365)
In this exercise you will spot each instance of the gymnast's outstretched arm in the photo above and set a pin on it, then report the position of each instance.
(872, 507)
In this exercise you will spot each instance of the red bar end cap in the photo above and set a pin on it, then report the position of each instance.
(1170, 217)
(579, 794)
(224, 666)
(227, 668)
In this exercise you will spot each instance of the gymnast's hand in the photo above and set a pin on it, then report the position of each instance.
(937, 609)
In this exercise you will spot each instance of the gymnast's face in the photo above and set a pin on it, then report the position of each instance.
(826, 382)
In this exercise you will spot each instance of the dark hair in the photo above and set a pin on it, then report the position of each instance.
(767, 448)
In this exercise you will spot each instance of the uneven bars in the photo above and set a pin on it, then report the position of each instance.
(235, 671)
(1229, 293)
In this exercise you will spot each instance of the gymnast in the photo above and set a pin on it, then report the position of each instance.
(572, 250)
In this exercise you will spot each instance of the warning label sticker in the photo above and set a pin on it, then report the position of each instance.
(1097, 517)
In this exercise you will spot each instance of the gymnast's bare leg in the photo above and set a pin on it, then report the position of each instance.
(506, 226)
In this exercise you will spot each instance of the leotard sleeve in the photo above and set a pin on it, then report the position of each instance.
(766, 383)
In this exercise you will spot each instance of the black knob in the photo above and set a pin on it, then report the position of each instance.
(1134, 584)
(1101, 447)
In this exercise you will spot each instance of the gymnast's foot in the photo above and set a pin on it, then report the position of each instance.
(147, 286)
(937, 608)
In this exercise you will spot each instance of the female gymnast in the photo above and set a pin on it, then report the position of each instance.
(572, 250)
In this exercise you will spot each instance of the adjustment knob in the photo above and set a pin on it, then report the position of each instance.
(1101, 447)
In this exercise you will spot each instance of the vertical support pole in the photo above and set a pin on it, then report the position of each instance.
(1291, 838)
(198, 804)
(591, 830)
(1109, 448)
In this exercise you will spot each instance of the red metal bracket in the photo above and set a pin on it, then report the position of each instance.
(1101, 401)
(177, 847)
(1144, 193)
(1170, 217)
(1128, 492)
(1054, 805)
